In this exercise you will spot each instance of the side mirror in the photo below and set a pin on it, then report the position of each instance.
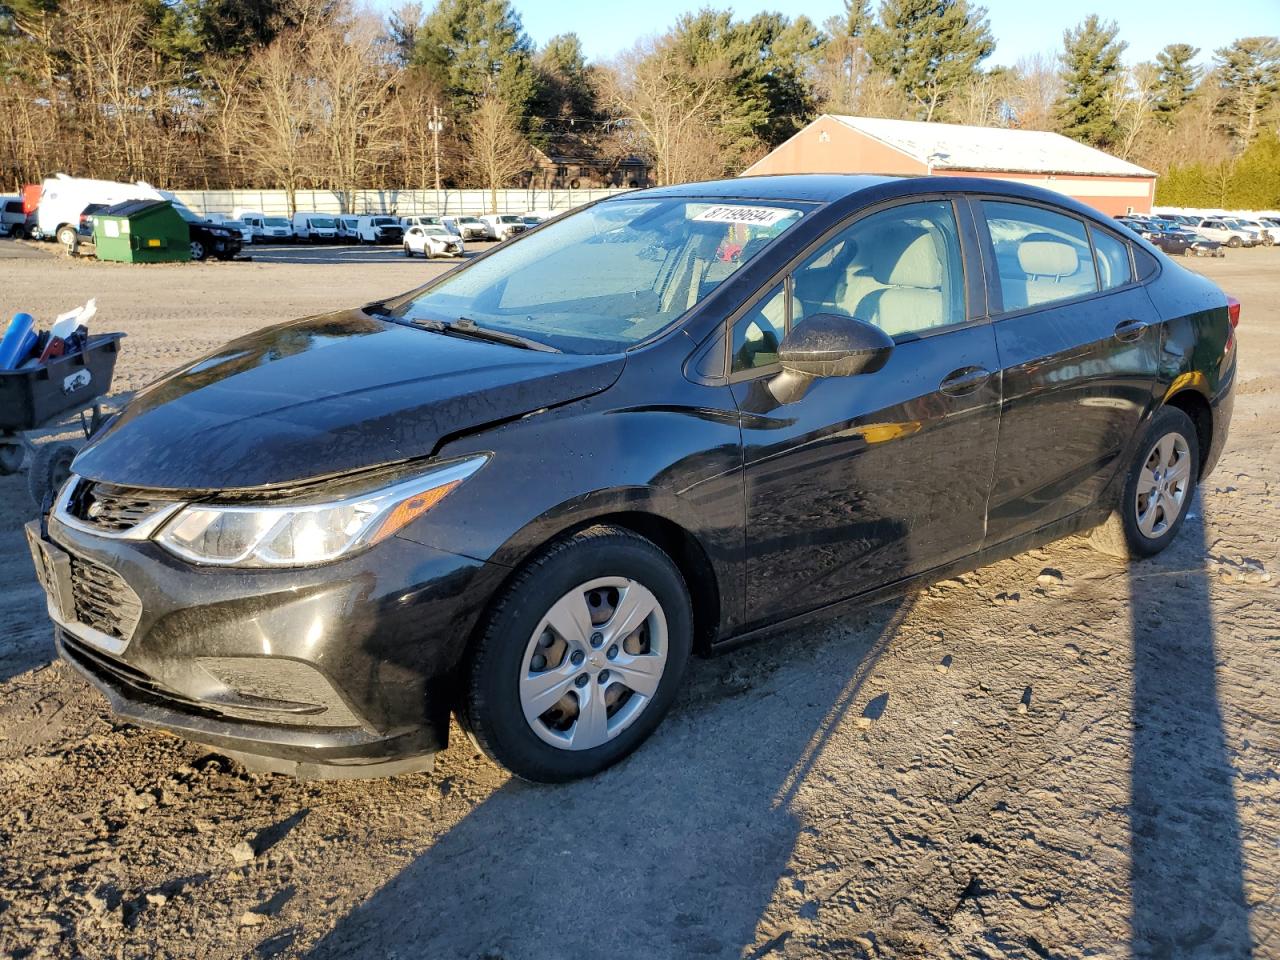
(827, 345)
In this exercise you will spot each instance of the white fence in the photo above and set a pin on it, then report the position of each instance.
(399, 202)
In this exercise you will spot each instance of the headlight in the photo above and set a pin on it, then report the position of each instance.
(303, 534)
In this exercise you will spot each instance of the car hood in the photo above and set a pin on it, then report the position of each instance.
(325, 396)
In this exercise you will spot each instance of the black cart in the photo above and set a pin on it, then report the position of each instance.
(34, 397)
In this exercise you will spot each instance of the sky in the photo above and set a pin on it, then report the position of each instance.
(1021, 27)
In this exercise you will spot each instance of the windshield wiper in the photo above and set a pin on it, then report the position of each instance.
(466, 327)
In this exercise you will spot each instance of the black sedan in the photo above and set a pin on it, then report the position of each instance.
(674, 420)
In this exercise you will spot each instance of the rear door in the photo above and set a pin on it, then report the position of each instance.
(870, 478)
(1078, 341)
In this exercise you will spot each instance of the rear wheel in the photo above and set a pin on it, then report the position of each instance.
(1158, 490)
(580, 658)
(407, 252)
(1233, 242)
(69, 239)
(198, 251)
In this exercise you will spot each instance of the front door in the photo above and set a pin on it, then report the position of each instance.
(871, 478)
(1078, 341)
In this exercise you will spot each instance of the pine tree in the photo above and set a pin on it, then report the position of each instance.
(931, 48)
(1176, 80)
(1249, 73)
(1090, 65)
(475, 49)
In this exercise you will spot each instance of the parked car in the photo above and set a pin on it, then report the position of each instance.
(1170, 238)
(14, 221)
(208, 238)
(526, 491)
(503, 226)
(1269, 233)
(532, 220)
(379, 229)
(240, 227)
(265, 229)
(432, 241)
(315, 227)
(468, 228)
(348, 229)
(1217, 228)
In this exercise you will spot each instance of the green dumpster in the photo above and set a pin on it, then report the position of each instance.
(141, 231)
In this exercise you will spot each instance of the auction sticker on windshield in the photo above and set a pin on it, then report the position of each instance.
(755, 216)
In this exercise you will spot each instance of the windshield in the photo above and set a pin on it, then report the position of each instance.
(276, 222)
(384, 221)
(509, 218)
(322, 222)
(609, 276)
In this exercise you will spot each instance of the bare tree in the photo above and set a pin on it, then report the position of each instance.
(670, 104)
(352, 81)
(497, 150)
(278, 123)
(845, 81)
(1133, 104)
(1035, 90)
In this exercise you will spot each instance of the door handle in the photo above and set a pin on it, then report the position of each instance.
(1129, 330)
(962, 382)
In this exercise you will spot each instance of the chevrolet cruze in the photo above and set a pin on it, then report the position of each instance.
(524, 493)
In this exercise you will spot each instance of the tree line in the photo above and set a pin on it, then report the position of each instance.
(313, 93)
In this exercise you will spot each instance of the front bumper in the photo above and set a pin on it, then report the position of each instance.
(340, 670)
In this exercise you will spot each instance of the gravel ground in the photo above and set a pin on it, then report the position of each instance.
(1053, 756)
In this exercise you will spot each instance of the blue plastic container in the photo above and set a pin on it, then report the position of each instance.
(17, 341)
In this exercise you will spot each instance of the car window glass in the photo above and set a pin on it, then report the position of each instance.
(757, 335)
(899, 269)
(1113, 259)
(1041, 256)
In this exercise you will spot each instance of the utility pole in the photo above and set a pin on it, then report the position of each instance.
(435, 125)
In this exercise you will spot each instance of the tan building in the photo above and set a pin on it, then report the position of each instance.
(839, 144)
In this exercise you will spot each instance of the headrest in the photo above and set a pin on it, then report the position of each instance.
(907, 260)
(1047, 258)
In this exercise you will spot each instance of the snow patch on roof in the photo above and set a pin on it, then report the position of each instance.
(950, 146)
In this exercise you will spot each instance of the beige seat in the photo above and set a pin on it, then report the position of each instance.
(1050, 266)
(909, 277)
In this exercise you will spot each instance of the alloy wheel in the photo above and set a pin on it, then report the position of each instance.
(1163, 483)
(197, 250)
(593, 663)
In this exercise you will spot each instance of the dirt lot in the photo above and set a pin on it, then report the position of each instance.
(1054, 756)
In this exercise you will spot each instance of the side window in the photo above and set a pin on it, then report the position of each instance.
(900, 269)
(1113, 259)
(1041, 256)
(756, 336)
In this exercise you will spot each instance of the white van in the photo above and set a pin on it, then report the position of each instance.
(380, 228)
(265, 229)
(503, 226)
(408, 222)
(315, 227)
(348, 229)
(63, 199)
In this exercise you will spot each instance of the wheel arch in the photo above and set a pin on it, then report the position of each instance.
(675, 539)
(1194, 404)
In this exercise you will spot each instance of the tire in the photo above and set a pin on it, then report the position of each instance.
(49, 470)
(198, 251)
(69, 239)
(407, 251)
(1233, 242)
(606, 564)
(1122, 534)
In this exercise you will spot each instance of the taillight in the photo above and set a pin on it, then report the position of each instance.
(1233, 311)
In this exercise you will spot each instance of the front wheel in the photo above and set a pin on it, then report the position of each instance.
(407, 251)
(580, 657)
(1157, 492)
(1234, 242)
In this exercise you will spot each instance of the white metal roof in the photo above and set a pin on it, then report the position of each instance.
(950, 146)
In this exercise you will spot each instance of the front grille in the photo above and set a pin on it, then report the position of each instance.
(103, 600)
(113, 509)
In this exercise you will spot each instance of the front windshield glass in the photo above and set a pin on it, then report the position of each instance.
(324, 223)
(383, 221)
(276, 222)
(609, 276)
